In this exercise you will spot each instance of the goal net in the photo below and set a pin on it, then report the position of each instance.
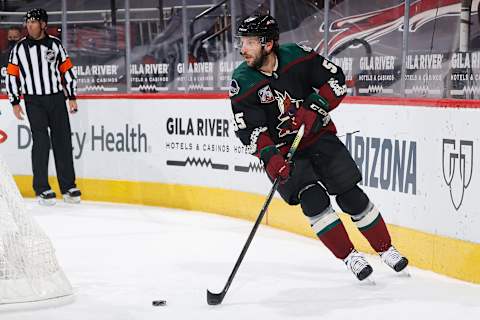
(29, 270)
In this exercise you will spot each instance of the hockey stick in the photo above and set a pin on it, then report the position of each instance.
(217, 298)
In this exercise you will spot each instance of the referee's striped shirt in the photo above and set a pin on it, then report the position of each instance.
(36, 67)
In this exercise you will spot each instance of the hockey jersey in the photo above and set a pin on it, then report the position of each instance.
(260, 102)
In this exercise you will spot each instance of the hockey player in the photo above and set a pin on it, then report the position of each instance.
(273, 92)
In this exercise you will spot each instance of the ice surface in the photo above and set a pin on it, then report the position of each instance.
(121, 257)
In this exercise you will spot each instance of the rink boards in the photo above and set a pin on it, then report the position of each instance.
(418, 160)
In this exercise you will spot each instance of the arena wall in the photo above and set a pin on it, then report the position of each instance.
(416, 155)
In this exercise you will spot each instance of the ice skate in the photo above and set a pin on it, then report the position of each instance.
(47, 198)
(72, 195)
(359, 266)
(395, 260)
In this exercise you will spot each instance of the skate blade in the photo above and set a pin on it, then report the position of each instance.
(369, 281)
(47, 202)
(404, 273)
(73, 200)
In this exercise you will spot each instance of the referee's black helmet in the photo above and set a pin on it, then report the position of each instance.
(36, 14)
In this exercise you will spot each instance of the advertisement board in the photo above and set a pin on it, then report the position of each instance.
(418, 163)
(189, 142)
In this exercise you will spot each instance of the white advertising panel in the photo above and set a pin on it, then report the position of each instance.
(189, 142)
(419, 163)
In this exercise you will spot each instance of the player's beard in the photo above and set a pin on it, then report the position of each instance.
(259, 61)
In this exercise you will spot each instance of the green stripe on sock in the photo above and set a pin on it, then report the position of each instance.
(371, 224)
(329, 227)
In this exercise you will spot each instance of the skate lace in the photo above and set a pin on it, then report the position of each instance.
(391, 257)
(357, 263)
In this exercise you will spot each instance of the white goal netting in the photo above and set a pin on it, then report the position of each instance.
(29, 270)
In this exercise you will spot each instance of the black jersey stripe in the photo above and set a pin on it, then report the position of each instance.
(30, 68)
(57, 72)
(10, 88)
(51, 75)
(23, 65)
(71, 87)
(40, 69)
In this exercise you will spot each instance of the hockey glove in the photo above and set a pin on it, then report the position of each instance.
(275, 164)
(313, 114)
(319, 105)
(307, 117)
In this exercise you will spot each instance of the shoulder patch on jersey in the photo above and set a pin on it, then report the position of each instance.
(234, 88)
(266, 95)
(304, 47)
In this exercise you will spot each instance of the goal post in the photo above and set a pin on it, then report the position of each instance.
(29, 270)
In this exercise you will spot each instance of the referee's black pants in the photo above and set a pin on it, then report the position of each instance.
(50, 112)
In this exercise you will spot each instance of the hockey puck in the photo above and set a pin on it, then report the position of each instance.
(159, 303)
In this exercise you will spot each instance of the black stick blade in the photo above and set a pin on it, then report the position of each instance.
(214, 299)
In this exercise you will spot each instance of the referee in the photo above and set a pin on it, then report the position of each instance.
(40, 68)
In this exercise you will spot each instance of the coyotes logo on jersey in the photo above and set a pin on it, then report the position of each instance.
(288, 107)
